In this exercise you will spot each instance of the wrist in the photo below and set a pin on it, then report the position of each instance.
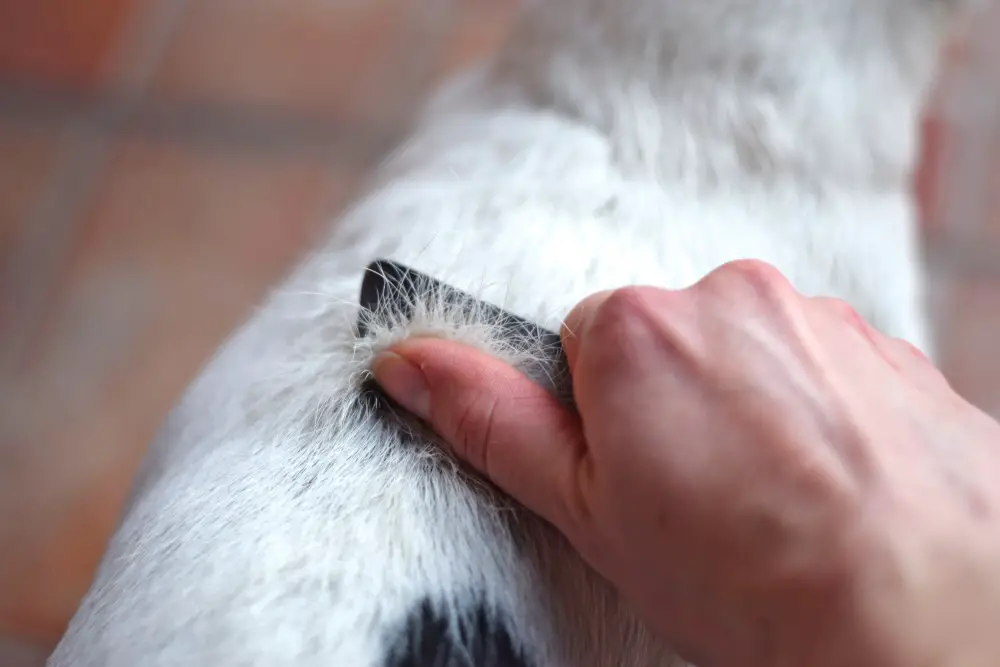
(935, 602)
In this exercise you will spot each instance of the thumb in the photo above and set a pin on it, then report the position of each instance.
(495, 418)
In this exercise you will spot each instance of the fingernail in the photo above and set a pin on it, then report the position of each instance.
(404, 382)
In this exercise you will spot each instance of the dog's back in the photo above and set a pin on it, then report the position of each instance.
(279, 521)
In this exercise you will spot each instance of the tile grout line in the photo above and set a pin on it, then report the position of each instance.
(52, 225)
(403, 74)
(235, 127)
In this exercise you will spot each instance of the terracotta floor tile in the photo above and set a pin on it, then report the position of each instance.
(15, 655)
(301, 56)
(970, 328)
(179, 246)
(206, 229)
(60, 41)
(28, 158)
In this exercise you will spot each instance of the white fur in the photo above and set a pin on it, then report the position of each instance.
(613, 142)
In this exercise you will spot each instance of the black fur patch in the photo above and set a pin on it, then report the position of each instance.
(429, 638)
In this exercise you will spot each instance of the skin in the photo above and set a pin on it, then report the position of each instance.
(747, 463)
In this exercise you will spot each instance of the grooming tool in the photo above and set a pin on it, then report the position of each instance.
(392, 289)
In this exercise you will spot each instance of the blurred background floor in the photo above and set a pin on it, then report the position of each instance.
(163, 161)
(197, 144)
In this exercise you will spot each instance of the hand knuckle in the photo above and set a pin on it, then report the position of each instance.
(626, 306)
(746, 279)
(632, 324)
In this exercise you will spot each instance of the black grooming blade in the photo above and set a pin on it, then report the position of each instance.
(392, 289)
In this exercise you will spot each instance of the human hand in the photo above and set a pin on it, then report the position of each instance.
(767, 478)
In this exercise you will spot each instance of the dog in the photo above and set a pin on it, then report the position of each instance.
(279, 520)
